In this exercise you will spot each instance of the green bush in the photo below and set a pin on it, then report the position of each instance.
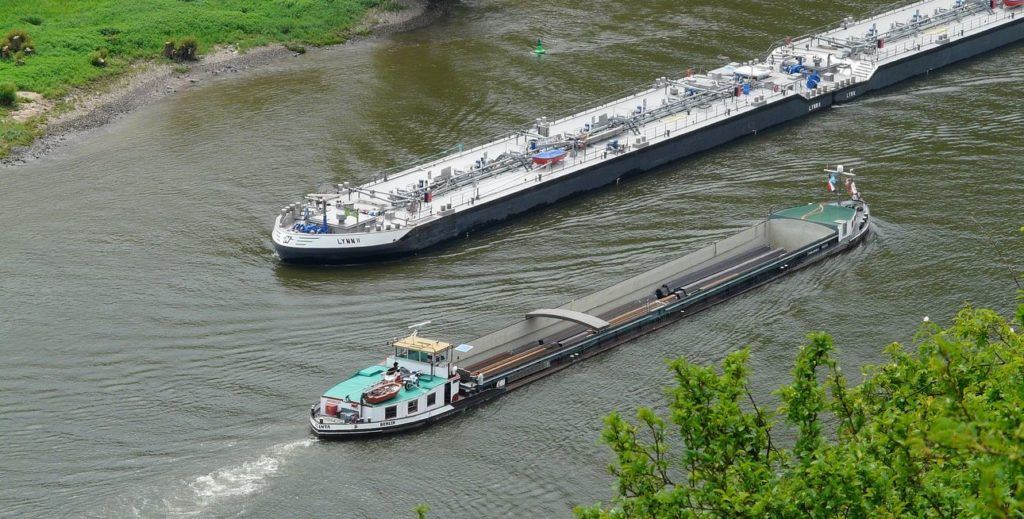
(8, 95)
(34, 20)
(295, 47)
(98, 58)
(16, 41)
(187, 49)
(935, 431)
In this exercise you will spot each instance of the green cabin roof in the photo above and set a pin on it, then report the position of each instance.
(354, 386)
(818, 213)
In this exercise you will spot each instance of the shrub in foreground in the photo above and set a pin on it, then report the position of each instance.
(938, 431)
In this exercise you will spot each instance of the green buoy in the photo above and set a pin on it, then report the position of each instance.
(540, 48)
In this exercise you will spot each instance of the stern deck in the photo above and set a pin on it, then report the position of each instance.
(353, 387)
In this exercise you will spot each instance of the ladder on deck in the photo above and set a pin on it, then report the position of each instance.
(863, 70)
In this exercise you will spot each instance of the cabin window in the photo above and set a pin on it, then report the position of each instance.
(390, 412)
(418, 356)
(431, 399)
(413, 406)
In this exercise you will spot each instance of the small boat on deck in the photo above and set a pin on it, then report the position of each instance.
(547, 157)
(382, 392)
(1010, 4)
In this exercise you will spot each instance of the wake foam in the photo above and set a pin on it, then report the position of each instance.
(236, 481)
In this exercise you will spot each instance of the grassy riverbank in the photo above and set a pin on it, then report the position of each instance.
(16, 133)
(66, 37)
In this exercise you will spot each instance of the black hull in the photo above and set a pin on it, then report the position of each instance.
(612, 338)
(794, 107)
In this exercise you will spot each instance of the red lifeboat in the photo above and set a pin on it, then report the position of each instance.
(1013, 3)
(382, 392)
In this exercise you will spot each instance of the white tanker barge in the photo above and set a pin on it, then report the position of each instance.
(406, 211)
(422, 381)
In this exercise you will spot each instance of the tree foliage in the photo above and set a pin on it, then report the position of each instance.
(938, 431)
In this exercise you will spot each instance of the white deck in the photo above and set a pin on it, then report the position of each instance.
(850, 52)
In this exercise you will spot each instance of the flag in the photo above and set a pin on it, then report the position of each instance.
(832, 183)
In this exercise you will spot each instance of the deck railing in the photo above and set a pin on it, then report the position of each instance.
(952, 32)
(873, 13)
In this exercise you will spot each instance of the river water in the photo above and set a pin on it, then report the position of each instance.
(158, 360)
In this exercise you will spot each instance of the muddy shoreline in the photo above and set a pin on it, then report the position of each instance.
(152, 81)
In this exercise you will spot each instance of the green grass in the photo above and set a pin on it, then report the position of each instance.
(69, 36)
(66, 34)
(389, 5)
(17, 134)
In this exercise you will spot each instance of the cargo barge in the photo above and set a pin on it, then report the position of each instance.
(422, 380)
(402, 212)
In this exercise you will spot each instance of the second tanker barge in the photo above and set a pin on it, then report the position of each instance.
(422, 381)
(402, 212)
